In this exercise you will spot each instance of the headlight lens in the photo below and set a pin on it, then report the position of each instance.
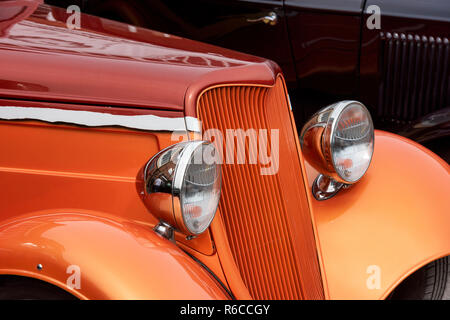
(352, 143)
(183, 189)
(338, 141)
(200, 191)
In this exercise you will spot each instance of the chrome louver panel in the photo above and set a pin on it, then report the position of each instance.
(414, 76)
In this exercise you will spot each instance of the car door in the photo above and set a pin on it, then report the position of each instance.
(325, 36)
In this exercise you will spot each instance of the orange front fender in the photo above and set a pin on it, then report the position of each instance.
(115, 259)
(395, 220)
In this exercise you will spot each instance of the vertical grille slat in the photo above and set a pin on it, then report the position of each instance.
(229, 178)
(414, 76)
(258, 216)
(445, 79)
(403, 79)
(409, 76)
(430, 78)
(254, 236)
(395, 73)
(423, 69)
(257, 99)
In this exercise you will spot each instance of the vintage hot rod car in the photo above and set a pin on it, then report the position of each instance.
(136, 164)
(328, 50)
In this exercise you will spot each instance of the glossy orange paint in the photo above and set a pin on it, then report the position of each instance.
(396, 217)
(117, 259)
(58, 181)
(59, 175)
(99, 169)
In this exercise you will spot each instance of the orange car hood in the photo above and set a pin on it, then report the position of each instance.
(111, 63)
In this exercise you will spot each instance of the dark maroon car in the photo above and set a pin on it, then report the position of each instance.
(392, 55)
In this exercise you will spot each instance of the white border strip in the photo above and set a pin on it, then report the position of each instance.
(99, 119)
(193, 124)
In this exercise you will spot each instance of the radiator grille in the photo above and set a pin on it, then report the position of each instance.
(267, 219)
(414, 76)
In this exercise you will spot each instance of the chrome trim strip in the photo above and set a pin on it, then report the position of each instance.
(99, 119)
(193, 124)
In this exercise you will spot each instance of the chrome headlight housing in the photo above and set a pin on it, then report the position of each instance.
(339, 142)
(182, 188)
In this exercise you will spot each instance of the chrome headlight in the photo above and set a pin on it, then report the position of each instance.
(181, 188)
(338, 141)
